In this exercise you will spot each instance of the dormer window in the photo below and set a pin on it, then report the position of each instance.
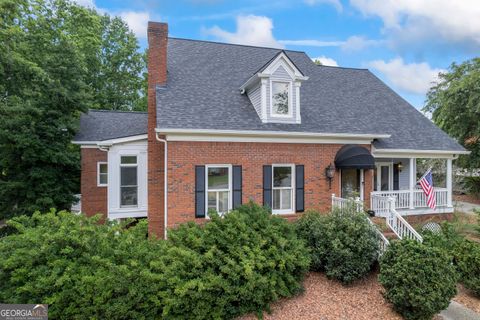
(281, 105)
(274, 90)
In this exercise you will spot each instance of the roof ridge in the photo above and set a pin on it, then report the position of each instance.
(340, 67)
(115, 111)
(237, 44)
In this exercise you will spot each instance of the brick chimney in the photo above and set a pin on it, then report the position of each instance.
(157, 76)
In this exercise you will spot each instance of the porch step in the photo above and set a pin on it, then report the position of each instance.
(382, 226)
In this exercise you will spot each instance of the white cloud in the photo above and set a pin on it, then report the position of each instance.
(137, 21)
(335, 3)
(326, 61)
(251, 30)
(416, 20)
(312, 43)
(357, 43)
(414, 78)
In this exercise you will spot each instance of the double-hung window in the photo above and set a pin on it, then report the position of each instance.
(281, 99)
(282, 188)
(219, 188)
(128, 181)
(102, 174)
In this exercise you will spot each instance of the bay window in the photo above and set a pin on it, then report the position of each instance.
(128, 181)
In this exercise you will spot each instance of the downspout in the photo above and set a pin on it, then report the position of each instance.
(165, 186)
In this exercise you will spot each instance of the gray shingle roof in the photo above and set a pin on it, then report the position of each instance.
(203, 84)
(98, 125)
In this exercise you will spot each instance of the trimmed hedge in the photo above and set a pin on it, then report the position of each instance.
(343, 244)
(83, 269)
(248, 258)
(419, 280)
(468, 265)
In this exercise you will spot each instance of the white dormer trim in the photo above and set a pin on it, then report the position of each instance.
(264, 83)
(280, 60)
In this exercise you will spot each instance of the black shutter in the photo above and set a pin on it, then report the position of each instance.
(396, 177)
(267, 186)
(299, 189)
(237, 186)
(199, 191)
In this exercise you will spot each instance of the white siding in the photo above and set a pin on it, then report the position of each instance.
(255, 96)
(403, 176)
(139, 149)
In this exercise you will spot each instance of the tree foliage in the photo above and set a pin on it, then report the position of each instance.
(57, 59)
(455, 106)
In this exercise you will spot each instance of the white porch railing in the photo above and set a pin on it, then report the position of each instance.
(399, 225)
(402, 199)
(343, 203)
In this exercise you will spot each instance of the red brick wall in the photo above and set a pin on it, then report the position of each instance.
(157, 75)
(94, 199)
(183, 156)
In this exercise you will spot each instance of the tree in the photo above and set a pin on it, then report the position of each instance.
(42, 92)
(117, 79)
(455, 106)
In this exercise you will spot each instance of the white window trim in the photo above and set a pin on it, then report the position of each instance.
(230, 187)
(378, 166)
(284, 211)
(120, 179)
(98, 174)
(290, 106)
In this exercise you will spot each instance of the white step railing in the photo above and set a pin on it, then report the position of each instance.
(343, 204)
(399, 225)
(402, 199)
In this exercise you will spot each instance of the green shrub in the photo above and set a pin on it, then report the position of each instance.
(82, 269)
(472, 184)
(419, 280)
(447, 240)
(233, 265)
(468, 265)
(343, 244)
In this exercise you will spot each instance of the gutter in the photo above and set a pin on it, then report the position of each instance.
(165, 186)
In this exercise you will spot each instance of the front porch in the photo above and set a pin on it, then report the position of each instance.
(397, 179)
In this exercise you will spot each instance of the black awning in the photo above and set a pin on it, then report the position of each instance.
(352, 156)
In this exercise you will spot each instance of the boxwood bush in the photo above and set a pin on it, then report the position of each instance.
(247, 259)
(467, 257)
(419, 280)
(83, 269)
(343, 244)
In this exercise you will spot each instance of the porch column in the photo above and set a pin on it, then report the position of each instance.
(412, 180)
(449, 183)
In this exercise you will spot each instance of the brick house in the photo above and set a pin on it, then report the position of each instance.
(233, 123)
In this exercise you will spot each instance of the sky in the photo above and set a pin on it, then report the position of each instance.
(406, 43)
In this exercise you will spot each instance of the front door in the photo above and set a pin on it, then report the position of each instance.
(383, 177)
(352, 183)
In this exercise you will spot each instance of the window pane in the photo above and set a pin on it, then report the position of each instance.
(212, 201)
(385, 178)
(286, 198)
(276, 199)
(223, 201)
(128, 196)
(217, 178)
(350, 183)
(103, 178)
(128, 160)
(103, 168)
(280, 97)
(282, 176)
(128, 176)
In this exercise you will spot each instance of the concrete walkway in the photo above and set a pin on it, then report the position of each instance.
(457, 311)
(466, 207)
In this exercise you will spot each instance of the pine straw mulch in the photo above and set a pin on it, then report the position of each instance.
(467, 298)
(326, 299)
(466, 198)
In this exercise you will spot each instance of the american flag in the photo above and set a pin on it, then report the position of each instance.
(426, 182)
